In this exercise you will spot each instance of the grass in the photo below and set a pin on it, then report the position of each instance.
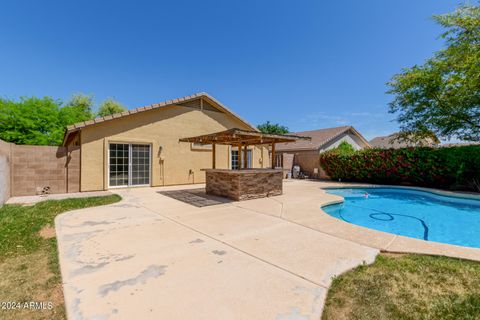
(407, 287)
(29, 268)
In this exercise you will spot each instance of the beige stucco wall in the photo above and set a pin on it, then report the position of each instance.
(161, 128)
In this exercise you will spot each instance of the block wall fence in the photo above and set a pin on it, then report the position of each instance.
(25, 169)
(309, 163)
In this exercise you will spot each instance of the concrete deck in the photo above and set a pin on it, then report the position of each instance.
(154, 257)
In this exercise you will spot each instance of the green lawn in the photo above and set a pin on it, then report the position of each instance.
(29, 269)
(407, 287)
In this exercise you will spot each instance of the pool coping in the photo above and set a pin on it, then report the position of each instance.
(389, 242)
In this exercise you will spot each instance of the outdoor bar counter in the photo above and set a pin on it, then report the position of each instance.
(244, 184)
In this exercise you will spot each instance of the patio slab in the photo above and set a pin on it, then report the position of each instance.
(153, 257)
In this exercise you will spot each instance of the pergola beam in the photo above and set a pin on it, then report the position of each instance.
(237, 136)
(242, 139)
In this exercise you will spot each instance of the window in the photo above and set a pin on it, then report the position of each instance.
(234, 159)
(279, 160)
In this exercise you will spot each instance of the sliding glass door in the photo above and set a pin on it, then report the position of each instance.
(129, 165)
(140, 164)
(119, 157)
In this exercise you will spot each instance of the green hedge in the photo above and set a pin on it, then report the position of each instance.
(447, 168)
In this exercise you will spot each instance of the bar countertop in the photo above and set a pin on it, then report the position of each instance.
(244, 171)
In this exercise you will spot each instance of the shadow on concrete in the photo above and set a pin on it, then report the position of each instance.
(195, 197)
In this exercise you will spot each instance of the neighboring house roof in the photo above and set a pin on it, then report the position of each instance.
(211, 101)
(459, 144)
(391, 141)
(320, 138)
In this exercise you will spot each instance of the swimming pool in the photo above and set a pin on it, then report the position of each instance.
(410, 213)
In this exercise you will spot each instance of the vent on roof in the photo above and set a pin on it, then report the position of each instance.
(197, 104)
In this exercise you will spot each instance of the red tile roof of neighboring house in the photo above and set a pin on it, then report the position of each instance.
(78, 126)
(320, 138)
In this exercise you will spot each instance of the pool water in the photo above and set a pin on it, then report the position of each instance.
(410, 213)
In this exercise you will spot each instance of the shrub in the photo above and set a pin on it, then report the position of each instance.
(344, 148)
(447, 168)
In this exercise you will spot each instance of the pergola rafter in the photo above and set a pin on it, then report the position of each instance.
(241, 139)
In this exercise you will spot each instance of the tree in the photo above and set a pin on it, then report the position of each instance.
(41, 121)
(77, 109)
(442, 96)
(344, 148)
(110, 106)
(31, 120)
(274, 128)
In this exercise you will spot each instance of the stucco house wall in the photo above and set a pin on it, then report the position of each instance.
(172, 162)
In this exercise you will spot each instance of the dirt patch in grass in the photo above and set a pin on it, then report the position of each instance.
(47, 232)
(407, 287)
(29, 278)
(29, 269)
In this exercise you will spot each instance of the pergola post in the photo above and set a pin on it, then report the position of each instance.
(214, 156)
(273, 155)
(245, 157)
(239, 156)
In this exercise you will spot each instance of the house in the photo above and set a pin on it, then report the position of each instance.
(306, 153)
(141, 147)
(392, 142)
(325, 139)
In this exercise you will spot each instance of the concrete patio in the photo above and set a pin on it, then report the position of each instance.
(154, 255)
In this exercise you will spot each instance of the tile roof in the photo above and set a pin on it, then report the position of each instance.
(319, 137)
(391, 141)
(81, 125)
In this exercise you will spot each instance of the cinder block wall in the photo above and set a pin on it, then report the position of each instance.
(34, 167)
(5, 155)
(25, 168)
(308, 162)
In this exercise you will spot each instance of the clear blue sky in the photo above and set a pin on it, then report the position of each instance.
(305, 64)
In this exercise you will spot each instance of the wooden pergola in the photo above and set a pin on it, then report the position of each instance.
(242, 139)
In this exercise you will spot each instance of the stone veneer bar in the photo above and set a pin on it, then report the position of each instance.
(244, 184)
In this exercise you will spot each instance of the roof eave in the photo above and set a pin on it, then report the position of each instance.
(201, 95)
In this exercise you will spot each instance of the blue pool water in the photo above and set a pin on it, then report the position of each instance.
(411, 213)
